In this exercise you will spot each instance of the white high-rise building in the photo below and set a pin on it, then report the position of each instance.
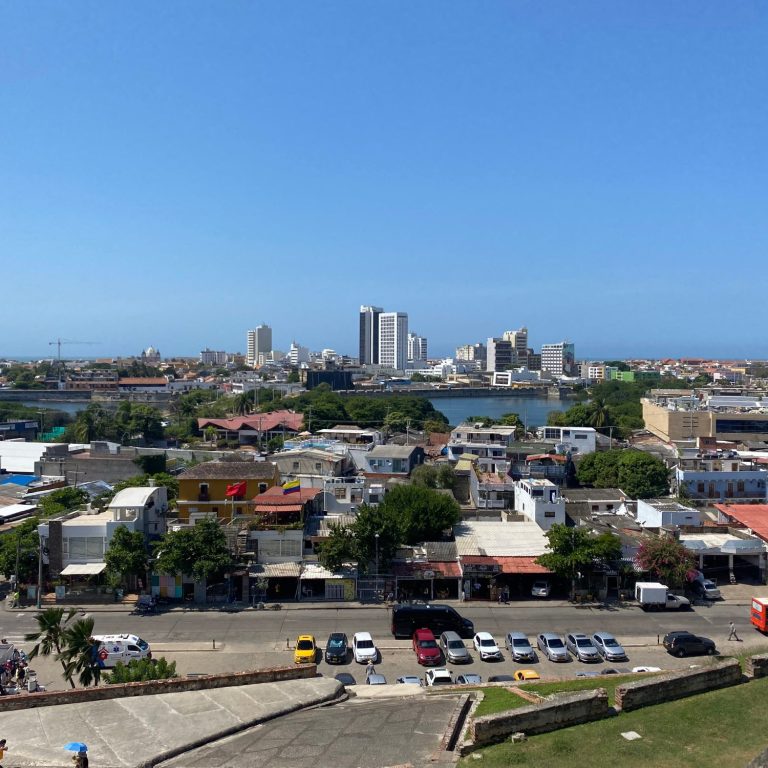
(369, 335)
(298, 354)
(393, 339)
(213, 357)
(519, 339)
(259, 344)
(558, 359)
(417, 347)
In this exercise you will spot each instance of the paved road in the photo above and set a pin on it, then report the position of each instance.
(258, 638)
(354, 734)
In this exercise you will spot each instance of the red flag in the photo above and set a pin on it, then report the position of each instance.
(238, 489)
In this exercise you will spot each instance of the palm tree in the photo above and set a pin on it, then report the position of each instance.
(243, 403)
(50, 636)
(80, 652)
(598, 412)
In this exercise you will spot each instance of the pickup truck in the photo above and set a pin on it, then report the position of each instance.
(656, 597)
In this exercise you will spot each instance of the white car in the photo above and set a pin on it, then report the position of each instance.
(363, 648)
(540, 589)
(486, 646)
(441, 676)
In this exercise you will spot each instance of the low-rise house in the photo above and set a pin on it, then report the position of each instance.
(658, 513)
(352, 435)
(313, 465)
(484, 442)
(223, 489)
(574, 440)
(257, 428)
(540, 501)
(581, 502)
(721, 476)
(343, 495)
(385, 461)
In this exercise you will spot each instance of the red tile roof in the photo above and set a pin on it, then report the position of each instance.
(262, 422)
(142, 382)
(754, 516)
(276, 497)
(518, 564)
(441, 570)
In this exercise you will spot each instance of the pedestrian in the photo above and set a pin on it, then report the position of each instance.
(3, 747)
(732, 635)
(369, 670)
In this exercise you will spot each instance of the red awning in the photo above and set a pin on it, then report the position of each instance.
(441, 570)
(506, 564)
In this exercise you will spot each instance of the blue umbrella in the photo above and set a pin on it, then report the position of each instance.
(76, 746)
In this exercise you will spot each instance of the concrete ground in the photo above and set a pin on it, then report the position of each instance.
(142, 730)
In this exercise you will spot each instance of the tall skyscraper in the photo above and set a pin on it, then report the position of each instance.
(519, 340)
(369, 335)
(393, 339)
(259, 343)
(558, 359)
(417, 347)
(500, 355)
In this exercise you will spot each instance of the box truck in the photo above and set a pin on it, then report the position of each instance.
(653, 596)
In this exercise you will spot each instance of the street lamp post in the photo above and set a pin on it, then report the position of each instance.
(376, 537)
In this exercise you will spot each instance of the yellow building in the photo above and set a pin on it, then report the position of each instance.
(203, 489)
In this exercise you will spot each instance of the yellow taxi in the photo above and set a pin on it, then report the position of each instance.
(306, 650)
(526, 674)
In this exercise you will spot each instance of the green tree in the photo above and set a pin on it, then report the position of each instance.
(666, 559)
(599, 412)
(340, 547)
(62, 500)
(142, 670)
(434, 476)
(577, 550)
(127, 554)
(50, 637)
(200, 551)
(152, 464)
(20, 546)
(370, 522)
(640, 474)
(420, 513)
(79, 652)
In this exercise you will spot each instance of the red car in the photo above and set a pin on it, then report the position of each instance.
(426, 648)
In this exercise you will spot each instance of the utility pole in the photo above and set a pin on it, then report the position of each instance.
(39, 603)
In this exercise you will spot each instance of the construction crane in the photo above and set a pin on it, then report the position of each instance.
(58, 344)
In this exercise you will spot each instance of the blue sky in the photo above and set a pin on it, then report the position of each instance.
(174, 173)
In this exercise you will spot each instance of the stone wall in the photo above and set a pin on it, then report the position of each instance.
(677, 685)
(563, 711)
(757, 666)
(176, 685)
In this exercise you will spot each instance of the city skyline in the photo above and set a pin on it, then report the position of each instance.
(594, 172)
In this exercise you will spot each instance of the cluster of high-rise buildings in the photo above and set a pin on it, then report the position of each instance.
(386, 341)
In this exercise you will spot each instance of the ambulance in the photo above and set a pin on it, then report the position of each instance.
(759, 613)
(114, 648)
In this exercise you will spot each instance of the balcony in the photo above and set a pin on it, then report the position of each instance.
(203, 497)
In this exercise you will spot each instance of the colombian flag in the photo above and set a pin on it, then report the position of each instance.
(291, 486)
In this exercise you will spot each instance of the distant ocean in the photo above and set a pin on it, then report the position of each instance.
(532, 410)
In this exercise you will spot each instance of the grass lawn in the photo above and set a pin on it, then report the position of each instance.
(497, 700)
(609, 682)
(718, 729)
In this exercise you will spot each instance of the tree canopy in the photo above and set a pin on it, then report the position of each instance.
(21, 544)
(666, 559)
(127, 553)
(576, 550)
(639, 474)
(62, 500)
(200, 551)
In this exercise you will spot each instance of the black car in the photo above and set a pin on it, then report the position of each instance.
(337, 648)
(687, 644)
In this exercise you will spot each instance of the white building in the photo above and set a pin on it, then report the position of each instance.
(298, 354)
(540, 501)
(472, 353)
(259, 343)
(558, 359)
(655, 513)
(417, 347)
(519, 340)
(572, 439)
(212, 357)
(510, 378)
(393, 340)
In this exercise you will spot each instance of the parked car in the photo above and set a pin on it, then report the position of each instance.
(705, 589)
(646, 669)
(501, 679)
(410, 680)
(486, 646)
(519, 646)
(363, 648)
(540, 589)
(306, 650)
(581, 647)
(526, 674)
(608, 647)
(337, 648)
(552, 646)
(375, 679)
(441, 676)
(683, 643)
(425, 648)
(469, 679)
(454, 649)
(345, 678)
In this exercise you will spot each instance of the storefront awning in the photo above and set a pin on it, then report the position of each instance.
(84, 569)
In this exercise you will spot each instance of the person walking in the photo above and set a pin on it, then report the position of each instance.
(3, 748)
(370, 670)
(732, 635)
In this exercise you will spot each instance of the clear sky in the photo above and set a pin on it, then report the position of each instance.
(173, 173)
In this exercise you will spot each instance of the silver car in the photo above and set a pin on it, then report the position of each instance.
(608, 647)
(519, 646)
(581, 647)
(552, 646)
(454, 650)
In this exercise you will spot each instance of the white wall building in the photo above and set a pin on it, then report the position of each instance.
(573, 439)
(298, 354)
(558, 359)
(213, 357)
(655, 513)
(393, 340)
(540, 501)
(259, 343)
(417, 347)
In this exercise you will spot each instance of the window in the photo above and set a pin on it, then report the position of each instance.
(318, 466)
(238, 510)
(549, 513)
(699, 487)
(580, 437)
(340, 493)
(262, 487)
(295, 464)
(740, 486)
(595, 507)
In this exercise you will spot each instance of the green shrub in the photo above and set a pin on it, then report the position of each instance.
(141, 670)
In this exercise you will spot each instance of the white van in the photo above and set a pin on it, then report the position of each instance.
(114, 648)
